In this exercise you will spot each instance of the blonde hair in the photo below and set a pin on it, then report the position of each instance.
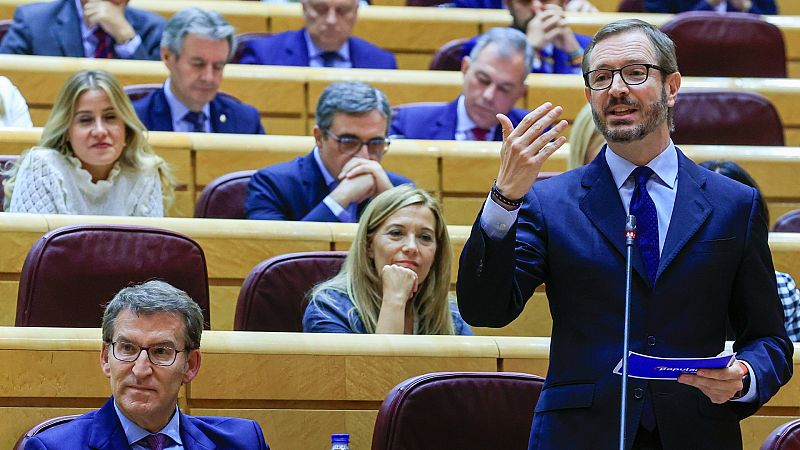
(582, 136)
(136, 154)
(361, 281)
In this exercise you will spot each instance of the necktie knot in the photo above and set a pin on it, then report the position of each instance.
(156, 441)
(641, 174)
(329, 58)
(104, 48)
(480, 133)
(197, 119)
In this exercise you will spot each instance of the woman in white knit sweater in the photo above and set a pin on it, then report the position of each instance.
(93, 157)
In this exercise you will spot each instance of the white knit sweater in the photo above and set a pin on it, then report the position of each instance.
(51, 183)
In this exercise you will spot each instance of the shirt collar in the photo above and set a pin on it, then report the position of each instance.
(329, 180)
(315, 52)
(134, 433)
(665, 166)
(178, 109)
(86, 32)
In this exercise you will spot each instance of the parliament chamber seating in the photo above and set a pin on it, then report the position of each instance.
(139, 91)
(224, 197)
(788, 223)
(712, 44)
(726, 118)
(458, 410)
(630, 6)
(42, 426)
(785, 437)
(273, 296)
(448, 57)
(70, 273)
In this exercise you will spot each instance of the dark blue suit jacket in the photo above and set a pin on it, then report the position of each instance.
(489, 4)
(676, 6)
(53, 29)
(239, 118)
(294, 190)
(102, 430)
(289, 49)
(715, 265)
(436, 121)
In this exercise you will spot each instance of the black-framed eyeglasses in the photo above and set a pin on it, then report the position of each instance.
(350, 145)
(631, 74)
(159, 355)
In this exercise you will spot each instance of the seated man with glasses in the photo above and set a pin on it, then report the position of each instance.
(162, 322)
(342, 173)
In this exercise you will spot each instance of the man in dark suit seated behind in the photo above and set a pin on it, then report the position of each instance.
(326, 41)
(494, 79)
(151, 346)
(342, 173)
(84, 28)
(195, 48)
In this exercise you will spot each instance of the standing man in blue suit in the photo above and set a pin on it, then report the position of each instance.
(701, 258)
(151, 346)
(84, 28)
(342, 173)
(195, 48)
(326, 41)
(494, 79)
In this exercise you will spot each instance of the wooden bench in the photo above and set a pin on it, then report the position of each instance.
(299, 387)
(234, 247)
(414, 33)
(460, 173)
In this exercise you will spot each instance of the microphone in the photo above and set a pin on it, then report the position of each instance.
(630, 235)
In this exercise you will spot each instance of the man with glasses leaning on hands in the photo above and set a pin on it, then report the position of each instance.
(151, 346)
(334, 182)
(701, 258)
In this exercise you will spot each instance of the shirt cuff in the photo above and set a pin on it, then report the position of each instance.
(751, 394)
(127, 49)
(496, 220)
(337, 209)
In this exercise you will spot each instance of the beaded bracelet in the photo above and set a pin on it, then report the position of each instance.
(503, 199)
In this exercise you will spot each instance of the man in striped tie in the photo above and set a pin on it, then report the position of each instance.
(84, 28)
(151, 347)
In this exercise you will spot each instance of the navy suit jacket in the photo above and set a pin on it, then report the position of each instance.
(289, 49)
(102, 430)
(436, 121)
(676, 6)
(53, 29)
(715, 266)
(227, 115)
(294, 190)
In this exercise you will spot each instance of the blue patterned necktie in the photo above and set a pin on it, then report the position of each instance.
(644, 209)
(329, 58)
(197, 120)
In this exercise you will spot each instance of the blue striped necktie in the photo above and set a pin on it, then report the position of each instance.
(644, 209)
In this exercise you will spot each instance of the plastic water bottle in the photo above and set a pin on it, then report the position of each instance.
(340, 442)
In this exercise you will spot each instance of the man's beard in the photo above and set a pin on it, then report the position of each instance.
(654, 116)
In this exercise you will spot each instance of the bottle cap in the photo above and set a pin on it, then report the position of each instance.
(340, 438)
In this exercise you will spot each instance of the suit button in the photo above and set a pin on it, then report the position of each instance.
(638, 393)
(651, 341)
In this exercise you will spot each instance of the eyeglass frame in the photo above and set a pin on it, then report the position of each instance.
(147, 351)
(619, 70)
(338, 139)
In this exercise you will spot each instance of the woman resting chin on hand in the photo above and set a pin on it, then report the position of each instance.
(396, 278)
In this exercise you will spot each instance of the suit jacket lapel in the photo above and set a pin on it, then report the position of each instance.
(445, 126)
(313, 181)
(220, 117)
(603, 207)
(691, 209)
(298, 53)
(160, 114)
(67, 30)
(107, 431)
(193, 438)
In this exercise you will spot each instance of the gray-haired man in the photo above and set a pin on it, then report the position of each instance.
(151, 346)
(334, 182)
(195, 47)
